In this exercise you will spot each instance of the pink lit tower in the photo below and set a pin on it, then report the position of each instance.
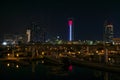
(70, 25)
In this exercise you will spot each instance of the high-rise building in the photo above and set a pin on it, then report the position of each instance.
(37, 33)
(28, 35)
(71, 32)
(108, 32)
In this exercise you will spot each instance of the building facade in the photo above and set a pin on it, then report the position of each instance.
(108, 33)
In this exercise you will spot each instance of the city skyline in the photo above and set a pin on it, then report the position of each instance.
(88, 17)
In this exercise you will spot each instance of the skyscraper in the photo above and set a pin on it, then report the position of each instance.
(28, 35)
(108, 32)
(37, 33)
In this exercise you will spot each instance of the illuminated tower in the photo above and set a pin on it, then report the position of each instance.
(108, 32)
(70, 24)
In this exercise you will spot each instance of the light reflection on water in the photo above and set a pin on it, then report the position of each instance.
(49, 71)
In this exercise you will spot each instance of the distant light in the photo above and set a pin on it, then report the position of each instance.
(102, 51)
(42, 61)
(43, 53)
(17, 55)
(8, 64)
(4, 43)
(17, 66)
(78, 52)
(96, 51)
(58, 37)
(8, 54)
(109, 59)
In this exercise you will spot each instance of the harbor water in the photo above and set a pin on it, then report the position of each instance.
(42, 70)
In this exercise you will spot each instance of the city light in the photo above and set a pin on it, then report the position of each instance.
(4, 43)
(43, 53)
(42, 61)
(17, 55)
(17, 66)
(8, 54)
(8, 64)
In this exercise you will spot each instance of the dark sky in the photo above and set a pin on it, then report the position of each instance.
(89, 17)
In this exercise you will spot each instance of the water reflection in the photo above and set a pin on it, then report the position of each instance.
(42, 61)
(100, 74)
(43, 68)
(70, 67)
(12, 65)
(106, 76)
(8, 64)
(33, 67)
(17, 66)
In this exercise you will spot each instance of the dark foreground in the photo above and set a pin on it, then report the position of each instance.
(46, 70)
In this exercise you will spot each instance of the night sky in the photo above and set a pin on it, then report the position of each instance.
(89, 17)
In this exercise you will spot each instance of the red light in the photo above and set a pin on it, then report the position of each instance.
(70, 68)
(70, 22)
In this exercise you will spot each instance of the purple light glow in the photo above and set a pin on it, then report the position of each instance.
(70, 22)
